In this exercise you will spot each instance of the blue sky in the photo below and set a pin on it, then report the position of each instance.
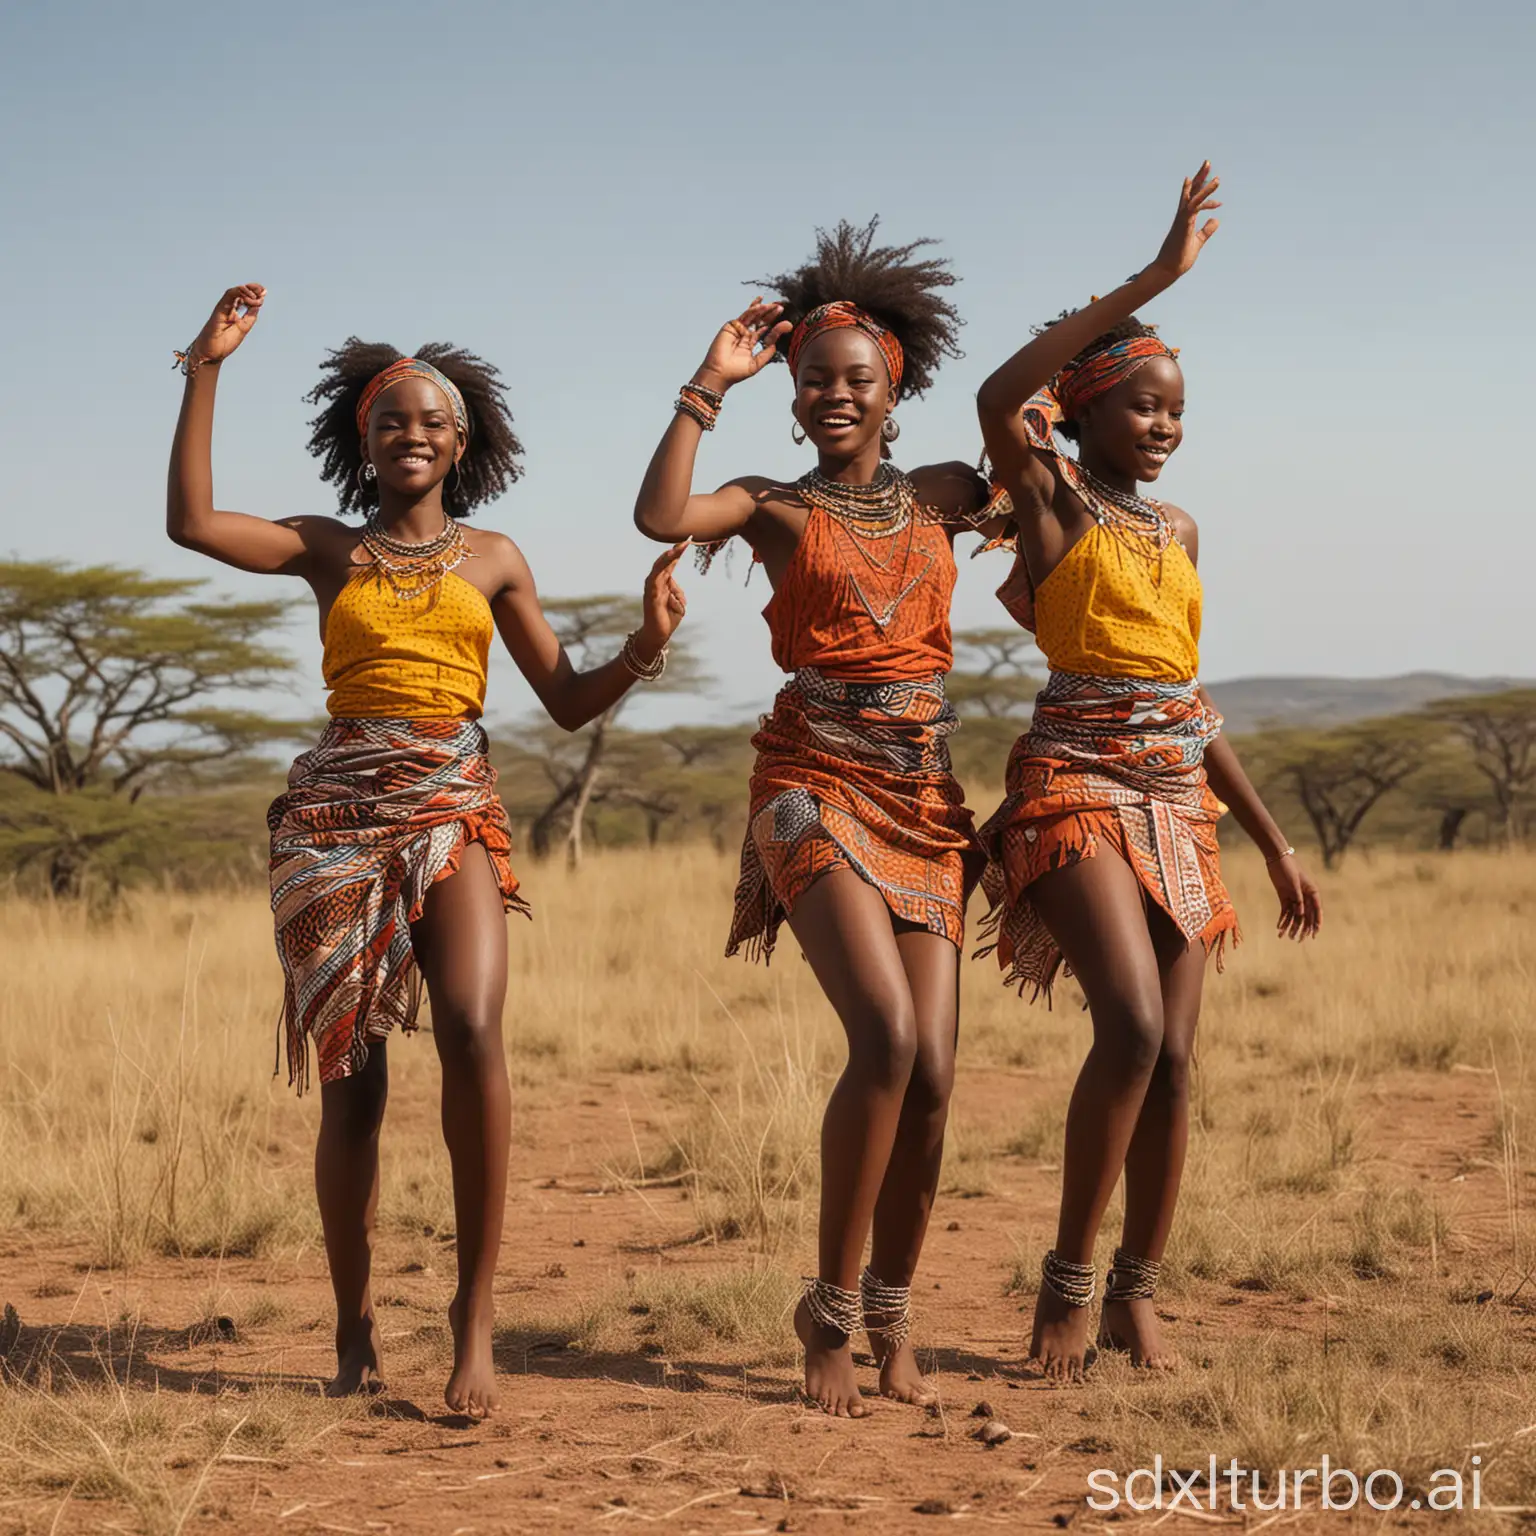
(578, 191)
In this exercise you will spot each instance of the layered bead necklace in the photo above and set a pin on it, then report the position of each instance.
(874, 511)
(880, 510)
(412, 569)
(1126, 512)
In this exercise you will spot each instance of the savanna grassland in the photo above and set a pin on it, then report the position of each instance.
(1353, 1270)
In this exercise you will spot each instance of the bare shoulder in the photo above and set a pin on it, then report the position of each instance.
(498, 556)
(1185, 529)
(954, 487)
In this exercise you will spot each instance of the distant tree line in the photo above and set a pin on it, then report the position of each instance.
(116, 766)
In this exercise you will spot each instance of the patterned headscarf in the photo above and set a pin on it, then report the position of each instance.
(835, 316)
(411, 368)
(1079, 383)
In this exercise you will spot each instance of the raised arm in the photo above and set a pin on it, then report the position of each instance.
(249, 543)
(666, 507)
(573, 698)
(1002, 397)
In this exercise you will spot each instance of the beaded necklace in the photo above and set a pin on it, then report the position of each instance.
(413, 569)
(1124, 511)
(880, 510)
(874, 511)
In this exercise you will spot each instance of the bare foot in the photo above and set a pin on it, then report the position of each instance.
(359, 1359)
(1133, 1326)
(1060, 1340)
(472, 1387)
(829, 1377)
(900, 1377)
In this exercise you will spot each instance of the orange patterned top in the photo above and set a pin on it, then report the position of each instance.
(865, 610)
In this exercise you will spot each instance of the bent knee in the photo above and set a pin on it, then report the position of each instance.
(1170, 1076)
(1132, 1029)
(474, 1033)
(882, 1046)
(932, 1082)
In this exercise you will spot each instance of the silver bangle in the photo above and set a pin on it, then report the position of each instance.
(1285, 853)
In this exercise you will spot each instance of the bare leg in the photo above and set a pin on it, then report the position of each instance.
(932, 965)
(1155, 1161)
(844, 928)
(1096, 912)
(461, 946)
(347, 1187)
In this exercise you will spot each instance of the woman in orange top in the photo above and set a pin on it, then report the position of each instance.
(859, 835)
(390, 848)
(1104, 853)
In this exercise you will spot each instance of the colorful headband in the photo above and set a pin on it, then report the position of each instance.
(411, 368)
(836, 316)
(1078, 384)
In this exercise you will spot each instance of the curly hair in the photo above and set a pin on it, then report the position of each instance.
(903, 294)
(1123, 330)
(490, 460)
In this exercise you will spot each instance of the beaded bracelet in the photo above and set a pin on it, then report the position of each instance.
(645, 671)
(185, 362)
(700, 402)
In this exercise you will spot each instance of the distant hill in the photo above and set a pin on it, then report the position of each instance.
(1246, 703)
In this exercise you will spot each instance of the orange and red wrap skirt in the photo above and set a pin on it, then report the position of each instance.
(856, 776)
(1116, 763)
(373, 814)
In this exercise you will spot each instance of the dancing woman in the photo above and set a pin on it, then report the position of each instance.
(390, 848)
(1104, 854)
(859, 836)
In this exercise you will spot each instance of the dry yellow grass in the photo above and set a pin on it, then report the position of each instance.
(139, 1120)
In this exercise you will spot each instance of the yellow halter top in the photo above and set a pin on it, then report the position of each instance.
(1111, 609)
(421, 659)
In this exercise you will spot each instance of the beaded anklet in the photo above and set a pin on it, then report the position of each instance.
(832, 1307)
(886, 1300)
(1074, 1284)
(1131, 1278)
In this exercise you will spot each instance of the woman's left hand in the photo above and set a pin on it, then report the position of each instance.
(665, 604)
(1301, 907)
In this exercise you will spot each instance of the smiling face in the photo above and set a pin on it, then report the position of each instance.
(842, 392)
(412, 440)
(1133, 428)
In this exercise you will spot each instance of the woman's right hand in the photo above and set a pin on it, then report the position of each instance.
(1184, 241)
(744, 345)
(229, 324)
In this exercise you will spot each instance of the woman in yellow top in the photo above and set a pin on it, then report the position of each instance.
(1104, 853)
(390, 848)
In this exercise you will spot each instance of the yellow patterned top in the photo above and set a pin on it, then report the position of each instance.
(421, 659)
(1109, 610)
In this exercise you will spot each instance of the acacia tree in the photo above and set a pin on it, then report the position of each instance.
(108, 683)
(1339, 776)
(697, 771)
(1499, 730)
(994, 672)
(590, 629)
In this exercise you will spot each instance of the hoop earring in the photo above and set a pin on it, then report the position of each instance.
(458, 480)
(890, 429)
(366, 475)
(797, 434)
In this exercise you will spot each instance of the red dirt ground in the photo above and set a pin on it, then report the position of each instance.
(625, 1441)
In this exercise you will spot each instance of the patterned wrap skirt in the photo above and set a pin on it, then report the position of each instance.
(374, 814)
(1107, 762)
(856, 776)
